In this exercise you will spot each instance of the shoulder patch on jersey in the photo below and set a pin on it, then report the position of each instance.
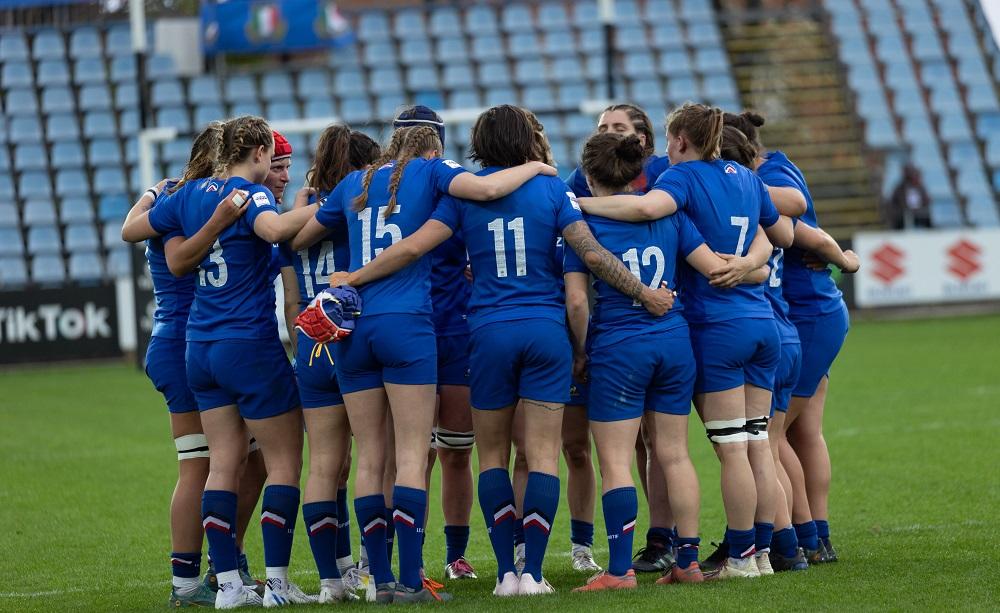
(452, 164)
(573, 200)
(261, 199)
(730, 169)
(212, 187)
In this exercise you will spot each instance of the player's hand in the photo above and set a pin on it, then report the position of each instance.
(230, 209)
(545, 169)
(580, 367)
(657, 301)
(814, 262)
(852, 262)
(468, 273)
(339, 278)
(732, 272)
(302, 197)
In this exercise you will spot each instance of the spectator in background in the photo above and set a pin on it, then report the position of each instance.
(909, 206)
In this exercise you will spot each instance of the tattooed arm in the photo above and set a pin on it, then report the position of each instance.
(610, 269)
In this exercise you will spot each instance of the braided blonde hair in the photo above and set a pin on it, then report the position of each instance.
(204, 155)
(240, 137)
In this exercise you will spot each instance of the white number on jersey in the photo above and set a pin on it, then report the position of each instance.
(774, 280)
(500, 246)
(381, 229)
(324, 267)
(744, 225)
(650, 255)
(218, 277)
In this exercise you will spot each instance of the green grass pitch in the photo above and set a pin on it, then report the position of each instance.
(913, 425)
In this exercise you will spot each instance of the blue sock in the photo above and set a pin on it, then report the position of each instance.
(541, 500)
(456, 539)
(823, 529)
(620, 508)
(279, 508)
(185, 565)
(785, 542)
(244, 564)
(687, 551)
(343, 525)
(370, 511)
(496, 499)
(740, 542)
(409, 504)
(581, 532)
(218, 517)
(763, 533)
(323, 529)
(390, 535)
(518, 532)
(807, 535)
(661, 536)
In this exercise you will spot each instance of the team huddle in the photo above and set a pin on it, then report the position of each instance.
(441, 311)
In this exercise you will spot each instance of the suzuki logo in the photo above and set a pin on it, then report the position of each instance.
(963, 259)
(888, 263)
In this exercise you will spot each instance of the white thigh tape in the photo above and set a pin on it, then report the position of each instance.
(449, 439)
(726, 431)
(191, 446)
(254, 445)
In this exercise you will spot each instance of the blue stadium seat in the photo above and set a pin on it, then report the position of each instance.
(946, 102)
(60, 128)
(908, 105)
(646, 92)
(119, 263)
(697, 10)
(345, 57)
(627, 12)
(174, 151)
(161, 66)
(95, 98)
(954, 127)
(13, 47)
(16, 75)
(85, 42)
(494, 74)
(13, 272)
(373, 25)
(972, 71)
(639, 64)
(711, 60)
(89, 71)
(21, 102)
(110, 181)
(487, 49)
(82, 237)
(559, 43)
(592, 40)
(57, 100)
(444, 21)
(25, 130)
(530, 72)
(416, 52)
(71, 183)
(123, 69)
(666, 36)
(566, 69)
(246, 107)
(119, 40)
(585, 14)
(522, 45)
(516, 18)
(356, 110)
(4, 164)
(539, 98)
(945, 214)
(927, 46)
(76, 210)
(429, 98)
(577, 126)
(706, 34)
(500, 95)
(313, 82)
(204, 90)
(918, 130)
(422, 78)
(680, 89)
(112, 208)
(48, 45)
(85, 267)
(282, 110)
(10, 242)
(552, 16)
(572, 94)
(719, 87)
(982, 98)
(409, 24)
(239, 88)
(675, 64)
(167, 92)
(67, 155)
(53, 72)
(891, 50)
(464, 98)
(457, 76)
(993, 150)
(319, 107)
(963, 45)
(659, 12)
(48, 270)
(380, 54)
(595, 68)
(44, 239)
(349, 82)
(631, 38)
(386, 80)
(8, 215)
(387, 105)
(99, 124)
(963, 154)
(172, 117)
(450, 49)
(39, 213)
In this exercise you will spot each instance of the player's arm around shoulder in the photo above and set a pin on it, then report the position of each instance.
(826, 249)
(398, 256)
(273, 227)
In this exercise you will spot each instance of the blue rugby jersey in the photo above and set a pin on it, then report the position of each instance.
(773, 291)
(423, 183)
(450, 290)
(173, 295)
(314, 265)
(725, 201)
(510, 245)
(650, 250)
(233, 297)
(808, 292)
(655, 166)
